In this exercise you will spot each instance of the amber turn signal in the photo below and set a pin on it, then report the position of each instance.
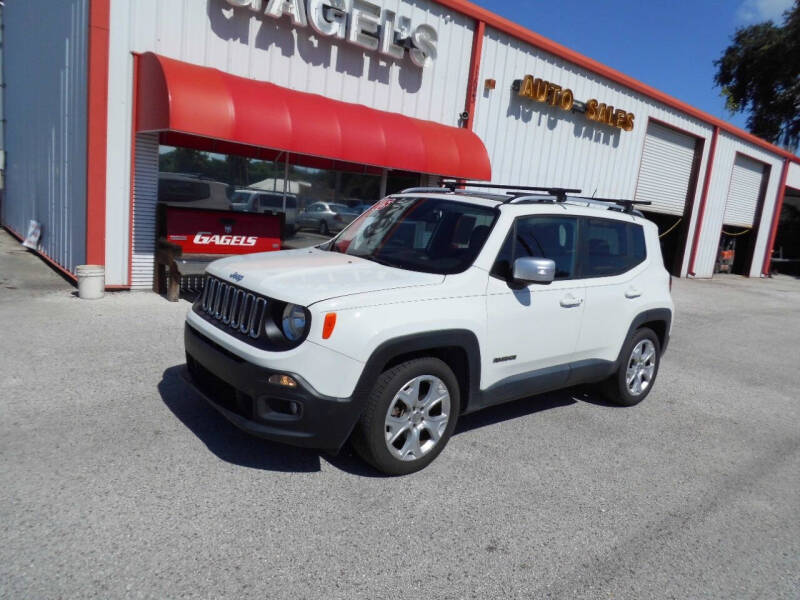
(327, 327)
(282, 380)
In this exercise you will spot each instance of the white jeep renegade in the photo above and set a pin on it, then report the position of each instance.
(433, 304)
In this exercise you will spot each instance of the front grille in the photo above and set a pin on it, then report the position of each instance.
(234, 307)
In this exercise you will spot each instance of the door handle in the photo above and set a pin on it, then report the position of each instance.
(633, 293)
(570, 301)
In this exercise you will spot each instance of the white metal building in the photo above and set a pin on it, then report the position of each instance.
(108, 81)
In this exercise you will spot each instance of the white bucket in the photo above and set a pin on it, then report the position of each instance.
(91, 281)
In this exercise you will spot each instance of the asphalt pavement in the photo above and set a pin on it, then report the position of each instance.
(116, 480)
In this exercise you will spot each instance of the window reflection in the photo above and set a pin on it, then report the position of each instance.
(198, 179)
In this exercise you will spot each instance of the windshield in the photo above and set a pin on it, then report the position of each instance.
(418, 234)
(240, 197)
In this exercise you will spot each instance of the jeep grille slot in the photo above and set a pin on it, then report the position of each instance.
(234, 307)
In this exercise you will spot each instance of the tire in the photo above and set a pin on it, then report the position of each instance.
(413, 428)
(644, 369)
(323, 228)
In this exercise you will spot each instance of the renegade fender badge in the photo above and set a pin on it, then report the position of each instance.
(505, 359)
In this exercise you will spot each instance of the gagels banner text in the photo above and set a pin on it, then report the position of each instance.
(358, 22)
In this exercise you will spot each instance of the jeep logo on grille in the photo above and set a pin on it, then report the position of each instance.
(237, 277)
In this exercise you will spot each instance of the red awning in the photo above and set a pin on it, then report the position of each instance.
(193, 103)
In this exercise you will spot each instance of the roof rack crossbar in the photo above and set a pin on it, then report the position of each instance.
(521, 193)
(627, 205)
(455, 183)
(422, 190)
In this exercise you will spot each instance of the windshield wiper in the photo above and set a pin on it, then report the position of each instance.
(380, 261)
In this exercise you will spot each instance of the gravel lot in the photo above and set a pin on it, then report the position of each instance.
(117, 481)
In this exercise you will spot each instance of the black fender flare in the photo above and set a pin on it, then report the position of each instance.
(419, 342)
(654, 314)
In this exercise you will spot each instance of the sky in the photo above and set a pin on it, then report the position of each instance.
(668, 44)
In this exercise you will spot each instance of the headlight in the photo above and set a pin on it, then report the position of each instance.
(293, 323)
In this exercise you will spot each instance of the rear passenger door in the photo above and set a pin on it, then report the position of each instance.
(612, 264)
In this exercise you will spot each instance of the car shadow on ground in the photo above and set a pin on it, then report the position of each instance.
(237, 447)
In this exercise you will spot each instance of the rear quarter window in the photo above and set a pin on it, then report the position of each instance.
(611, 247)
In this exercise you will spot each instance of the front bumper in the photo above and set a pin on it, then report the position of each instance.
(240, 391)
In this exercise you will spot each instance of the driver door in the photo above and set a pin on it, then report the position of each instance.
(533, 328)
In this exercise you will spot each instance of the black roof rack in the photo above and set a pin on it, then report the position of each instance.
(522, 192)
(627, 205)
(558, 192)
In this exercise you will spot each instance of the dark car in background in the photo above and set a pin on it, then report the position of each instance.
(192, 191)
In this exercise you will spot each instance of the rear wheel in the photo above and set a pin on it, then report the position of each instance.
(323, 228)
(637, 372)
(410, 415)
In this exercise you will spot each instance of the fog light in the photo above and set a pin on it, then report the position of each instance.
(282, 380)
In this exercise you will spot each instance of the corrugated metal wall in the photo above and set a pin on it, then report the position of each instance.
(212, 33)
(46, 78)
(727, 148)
(528, 143)
(2, 110)
(145, 197)
(535, 144)
(531, 142)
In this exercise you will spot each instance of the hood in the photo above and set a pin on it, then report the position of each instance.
(310, 275)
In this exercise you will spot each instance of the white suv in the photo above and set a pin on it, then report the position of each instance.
(433, 304)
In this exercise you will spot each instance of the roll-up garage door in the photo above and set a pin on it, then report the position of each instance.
(666, 169)
(744, 193)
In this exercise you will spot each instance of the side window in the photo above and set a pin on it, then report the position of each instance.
(611, 247)
(540, 237)
(271, 202)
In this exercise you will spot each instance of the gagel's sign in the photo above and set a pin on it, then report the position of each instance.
(203, 239)
(202, 231)
(358, 22)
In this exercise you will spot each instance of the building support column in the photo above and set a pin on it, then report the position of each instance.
(701, 212)
(97, 134)
(474, 74)
(776, 217)
(384, 183)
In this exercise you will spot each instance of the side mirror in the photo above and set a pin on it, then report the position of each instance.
(534, 270)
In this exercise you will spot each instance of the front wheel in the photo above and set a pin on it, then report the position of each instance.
(323, 228)
(410, 415)
(638, 368)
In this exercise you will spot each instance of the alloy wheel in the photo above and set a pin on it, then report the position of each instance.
(641, 367)
(417, 418)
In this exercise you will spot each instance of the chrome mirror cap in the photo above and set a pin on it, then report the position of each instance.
(534, 270)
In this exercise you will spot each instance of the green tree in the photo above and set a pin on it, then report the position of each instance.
(184, 160)
(759, 74)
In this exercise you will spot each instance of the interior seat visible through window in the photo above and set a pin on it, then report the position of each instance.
(612, 247)
(552, 237)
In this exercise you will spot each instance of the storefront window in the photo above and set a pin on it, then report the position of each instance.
(197, 179)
